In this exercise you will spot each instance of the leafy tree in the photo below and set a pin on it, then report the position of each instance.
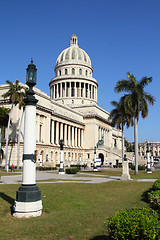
(4, 116)
(129, 146)
(15, 95)
(119, 116)
(136, 101)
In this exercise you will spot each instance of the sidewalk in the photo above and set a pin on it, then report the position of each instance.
(42, 176)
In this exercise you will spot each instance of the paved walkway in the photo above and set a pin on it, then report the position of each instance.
(42, 176)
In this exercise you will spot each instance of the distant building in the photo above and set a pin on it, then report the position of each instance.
(71, 112)
(154, 148)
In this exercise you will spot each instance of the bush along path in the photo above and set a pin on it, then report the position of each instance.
(138, 224)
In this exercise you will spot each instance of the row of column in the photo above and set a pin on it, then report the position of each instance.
(73, 89)
(72, 136)
(51, 131)
(54, 156)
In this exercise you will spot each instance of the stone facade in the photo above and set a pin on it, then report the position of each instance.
(154, 148)
(71, 112)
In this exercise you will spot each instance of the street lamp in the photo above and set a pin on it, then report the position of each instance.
(61, 169)
(152, 161)
(95, 163)
(148, 160)
(28, 200)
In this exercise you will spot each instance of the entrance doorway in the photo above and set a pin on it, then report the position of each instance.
(101, 156)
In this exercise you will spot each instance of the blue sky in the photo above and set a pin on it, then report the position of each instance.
(118, 35)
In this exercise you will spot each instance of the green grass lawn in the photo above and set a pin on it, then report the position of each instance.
(3, 173)
(118, 172)
(70, 210)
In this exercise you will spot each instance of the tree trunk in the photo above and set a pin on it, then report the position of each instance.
(1, 140)
(19, 136)
(7, 137)
(136, 144)
(122, 143)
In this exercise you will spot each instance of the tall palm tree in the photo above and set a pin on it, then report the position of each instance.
(15, 97)
(119, 116)
(4, 116)
(136, 101)
(21, 105)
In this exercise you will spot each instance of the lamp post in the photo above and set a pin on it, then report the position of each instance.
(148, 160)
(61, 169)
(28, 199)
(152, 161)
(95, 163)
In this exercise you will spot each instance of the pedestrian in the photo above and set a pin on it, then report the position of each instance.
(12, 168)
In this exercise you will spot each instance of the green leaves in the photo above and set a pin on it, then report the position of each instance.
(137, 99)
(134, 224)
(16, 93)
(4, 116)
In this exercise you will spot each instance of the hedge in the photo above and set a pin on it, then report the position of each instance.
(134, 224)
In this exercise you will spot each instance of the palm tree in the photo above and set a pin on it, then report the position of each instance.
(21, 105)
(15, 97)
(3, 122)
(136, 101)
(119, 117)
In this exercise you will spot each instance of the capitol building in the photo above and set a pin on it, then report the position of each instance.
(71, 113)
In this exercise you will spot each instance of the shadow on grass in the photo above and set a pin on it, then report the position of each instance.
(145, 195)
(8, 199)
(101, 237)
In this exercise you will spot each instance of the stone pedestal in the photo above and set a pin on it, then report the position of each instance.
(125, 171)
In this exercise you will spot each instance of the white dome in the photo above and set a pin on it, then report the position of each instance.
(74, 54)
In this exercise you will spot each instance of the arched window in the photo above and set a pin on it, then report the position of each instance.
(59, 72)
(80, 71)
(66, 71)
(73, 71)
(86, 72)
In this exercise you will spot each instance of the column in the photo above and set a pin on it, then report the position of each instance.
(79, 137)
(75, 137)
(96, 94)
(81, 90)
(72, 136)
(57, 132)
(55, 87)
(75, 87)
(69, 135)
(58, 90)
(65, 89)
(65, 134)
(61, 90)
(53, 91)
(47, 130)
(52, 133)
(69, 89)
(61, 131)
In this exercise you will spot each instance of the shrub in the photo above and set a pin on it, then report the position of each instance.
(72, 170)
(46, 168)
(156, 185)
(115, 166)
(134, 224)
(140, 167)
(154, 199)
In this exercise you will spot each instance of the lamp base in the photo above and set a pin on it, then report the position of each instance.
(28, 202)
(27, 209)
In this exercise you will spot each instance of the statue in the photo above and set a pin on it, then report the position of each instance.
(101, 141)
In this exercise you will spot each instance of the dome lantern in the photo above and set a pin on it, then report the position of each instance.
(73, 39)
